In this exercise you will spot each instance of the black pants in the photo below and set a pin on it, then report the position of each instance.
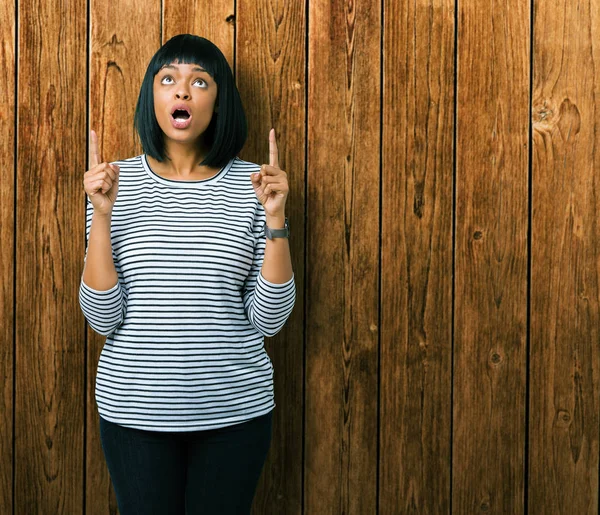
(212, 472)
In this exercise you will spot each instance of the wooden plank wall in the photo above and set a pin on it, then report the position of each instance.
(490, 301)
(49, 401)
(445, 190)
(416, 301)
(7, 249)
(565, 254)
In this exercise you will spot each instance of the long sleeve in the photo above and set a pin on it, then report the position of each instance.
(268, 305)
(103, 310)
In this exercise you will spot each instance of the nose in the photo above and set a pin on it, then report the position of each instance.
(182, 94)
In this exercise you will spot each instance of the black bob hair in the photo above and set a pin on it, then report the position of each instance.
(228, 129)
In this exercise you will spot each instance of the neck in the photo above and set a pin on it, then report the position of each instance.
(182, 162)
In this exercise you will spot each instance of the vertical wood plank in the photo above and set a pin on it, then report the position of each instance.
(342, 257)
(565, 259)
(50, 346)
(271, 78)
(121, 51)
(416, 257)
(491, 258)
(7, 248)
(211, 19)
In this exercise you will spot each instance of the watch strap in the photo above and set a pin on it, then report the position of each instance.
(278, 233)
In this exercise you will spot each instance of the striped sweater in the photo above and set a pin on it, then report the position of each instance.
(186, 321)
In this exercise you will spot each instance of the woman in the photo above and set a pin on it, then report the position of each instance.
(187, 268)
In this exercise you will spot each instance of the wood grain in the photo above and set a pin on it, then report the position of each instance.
(488, 448)
(416, 258)
(565, 260)
(342, 257)
(7, 248)
(426, 413)
(121, 51)
(271, 78)
(210, 19)
(50, 345)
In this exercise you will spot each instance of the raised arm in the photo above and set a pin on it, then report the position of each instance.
(100, 294)
(271, 188)
(270, 291)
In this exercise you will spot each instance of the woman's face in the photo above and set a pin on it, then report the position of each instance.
(184, 100)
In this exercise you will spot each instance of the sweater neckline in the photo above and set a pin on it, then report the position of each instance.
(185, 184)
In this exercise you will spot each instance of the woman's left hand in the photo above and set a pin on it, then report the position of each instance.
(271, 184)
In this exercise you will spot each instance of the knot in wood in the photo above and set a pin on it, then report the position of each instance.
(543, 112)
(563, 418)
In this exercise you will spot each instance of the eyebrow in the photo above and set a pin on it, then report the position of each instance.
(172, 66)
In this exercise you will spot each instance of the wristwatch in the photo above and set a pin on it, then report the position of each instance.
(278, 233)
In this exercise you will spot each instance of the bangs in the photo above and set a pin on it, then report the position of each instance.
(188, 49)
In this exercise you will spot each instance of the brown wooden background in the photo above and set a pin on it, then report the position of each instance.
(444, 164)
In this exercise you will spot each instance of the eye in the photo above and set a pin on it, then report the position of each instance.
(162, 81)
(201, 80)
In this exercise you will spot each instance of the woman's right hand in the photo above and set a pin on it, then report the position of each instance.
(101, 181)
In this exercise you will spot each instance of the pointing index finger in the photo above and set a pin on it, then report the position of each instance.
(273, 153)
(94, 152)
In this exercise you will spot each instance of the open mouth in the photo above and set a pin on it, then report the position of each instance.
(180, 115)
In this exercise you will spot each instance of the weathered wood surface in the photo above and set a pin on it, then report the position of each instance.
(565, 260)
(416, 259)
(7, 249)
(342, 250)
(214, 20)
(49, 330)
(490, 296)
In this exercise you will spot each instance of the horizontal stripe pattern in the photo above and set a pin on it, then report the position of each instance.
(186, 321)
